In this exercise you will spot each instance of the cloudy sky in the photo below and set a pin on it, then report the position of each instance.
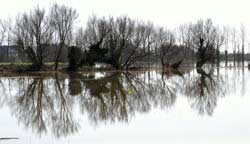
(162, 12)
(166, 13)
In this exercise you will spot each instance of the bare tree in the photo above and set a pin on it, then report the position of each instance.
(9, 24)
(3, 36)
(204, 40)
(122, 30)
(33, 35)
(62, 19)
(243, 37)
(121, 42)
(79, 38)
(3, 30)
(128, 42)
(234, 43)
(165, 40)
(219, 41)
(226, 42)
(89, 44)
(6, 26)
(184, 33)
(96, 31)
(93, 40)
(139, 45)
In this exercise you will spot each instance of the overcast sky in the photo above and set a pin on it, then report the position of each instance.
(166, 13)
(162, 12)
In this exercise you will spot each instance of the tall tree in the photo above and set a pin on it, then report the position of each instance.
(122, 30)
(219, 41)
(128, 42)
(3, 30)
(93, 40)
(243, 38)
(32, 35)
(63, 19)
(204, 40)
(165, 41)
(138, 46)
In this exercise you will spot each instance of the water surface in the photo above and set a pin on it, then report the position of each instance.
(187, 106)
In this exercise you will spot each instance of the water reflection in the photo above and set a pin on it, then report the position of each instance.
(43, 104)
(204, 90)
(48, 103)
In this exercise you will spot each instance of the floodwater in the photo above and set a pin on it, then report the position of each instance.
(188, 106)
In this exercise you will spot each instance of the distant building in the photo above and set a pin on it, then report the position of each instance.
(12, 54)
(9, 54)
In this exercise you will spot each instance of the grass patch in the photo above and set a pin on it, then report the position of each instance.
(14, 63)
(27, 63)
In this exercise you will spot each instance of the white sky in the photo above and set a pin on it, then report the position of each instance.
(162, 12)
(167, 13)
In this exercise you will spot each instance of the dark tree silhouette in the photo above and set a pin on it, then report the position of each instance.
(168, 51)
(204, 91)
(62, 22)
(43, 110)
(204, 40)
(91, 40)
(74, 58)
(32, 35)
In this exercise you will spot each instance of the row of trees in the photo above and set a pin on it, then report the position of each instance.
(35, 31)
(121, 42)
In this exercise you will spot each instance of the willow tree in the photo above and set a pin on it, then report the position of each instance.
(128, 42)
(93, 39)
(63, 19)
(170, 54)
(184, 36)
(32, 34)
(140, 44)
(219, 41)
(204, 35)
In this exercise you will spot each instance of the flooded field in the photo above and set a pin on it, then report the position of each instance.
(190, 106)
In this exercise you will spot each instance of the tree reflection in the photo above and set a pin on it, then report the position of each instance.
(75, 85)
(63, 120)
(48, 103)
(44, 107)
(105, 99)
(119, 96)
(203, 91)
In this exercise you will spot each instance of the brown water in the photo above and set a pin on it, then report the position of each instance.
(191, 106)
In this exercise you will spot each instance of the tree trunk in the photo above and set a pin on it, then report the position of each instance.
(243, 56)
(218, 56)
(226, 57)
(58, 56)
(200, 63)
(234, 57)
(177, 64)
